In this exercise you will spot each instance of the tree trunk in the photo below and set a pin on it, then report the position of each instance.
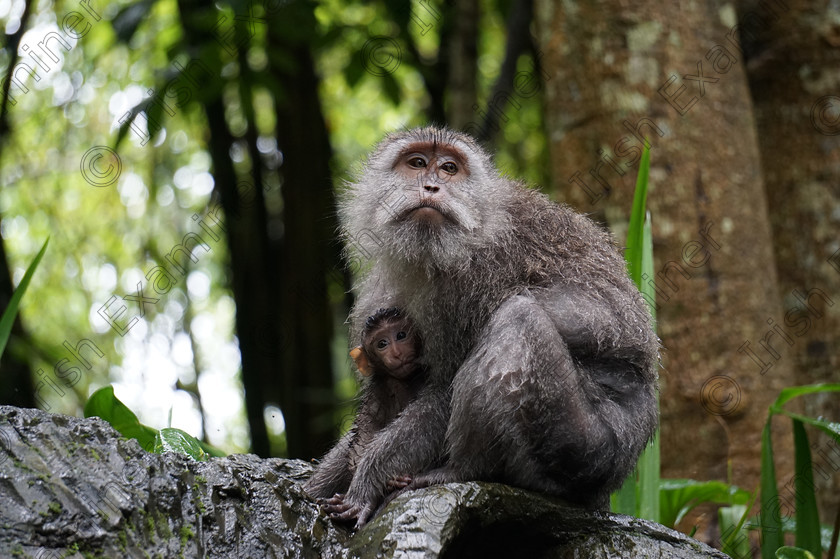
(622, 71)
(309, 243)
(463, 64)
(789, 62)
(245, 224)
(16, 388)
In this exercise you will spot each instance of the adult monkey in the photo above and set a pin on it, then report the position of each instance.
(540, 351)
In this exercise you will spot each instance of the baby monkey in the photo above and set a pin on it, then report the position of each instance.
(389, 357)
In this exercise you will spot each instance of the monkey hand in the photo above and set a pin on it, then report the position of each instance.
(398, 482)
(433, 477)
(341, 509)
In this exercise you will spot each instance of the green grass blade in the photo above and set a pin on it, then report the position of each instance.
(649, 463)
(635, 233)
(770, 517)
(647, 288)
(807, 517)
(649, 481)
(639, 496)
(795, 391)
(10, 313)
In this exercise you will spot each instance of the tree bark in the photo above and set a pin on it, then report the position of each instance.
(789, 61)
(463, 64)
(73, 487)
(620, 71)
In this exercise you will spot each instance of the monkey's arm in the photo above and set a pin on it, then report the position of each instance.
(333, 473)
(411, 444)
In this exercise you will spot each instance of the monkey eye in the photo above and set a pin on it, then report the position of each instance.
(417, 162)
(449, 167)
(381, 344)
(401, 335)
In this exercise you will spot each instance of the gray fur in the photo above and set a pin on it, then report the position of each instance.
(540, 350)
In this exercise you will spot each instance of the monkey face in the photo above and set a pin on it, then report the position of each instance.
(434, 170)
(428, 197)
(394, 348)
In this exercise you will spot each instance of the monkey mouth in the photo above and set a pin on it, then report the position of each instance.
(425, 213)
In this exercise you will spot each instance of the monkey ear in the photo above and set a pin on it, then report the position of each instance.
(361, 360)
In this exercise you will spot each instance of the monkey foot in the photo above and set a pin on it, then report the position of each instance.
(339, 509)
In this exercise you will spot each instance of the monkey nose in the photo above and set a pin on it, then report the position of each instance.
(431, 188)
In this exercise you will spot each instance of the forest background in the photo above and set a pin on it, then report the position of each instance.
(184, 158)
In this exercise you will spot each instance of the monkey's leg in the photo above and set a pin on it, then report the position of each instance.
(525, 411)
(333, 473)
(410, 444)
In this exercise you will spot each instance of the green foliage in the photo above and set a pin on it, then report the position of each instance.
(640, 495)
(787, 552)
(170, 439)
(103, 403)
(734, 537)
(10, 313)
(807, 522)
(634, 254)
(678, 496)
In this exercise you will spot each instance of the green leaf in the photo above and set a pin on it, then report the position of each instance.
(171, 439)
(735, 540)
(678, 496)
(635, 232)
(649, 463)
(770, 517)
(104, 404)
(624, 500)
(648, 289)
(640, 496)
(649, 482)
(212, 450)
(795, 391)
(788, 552)
(807, 517)
(8, 318)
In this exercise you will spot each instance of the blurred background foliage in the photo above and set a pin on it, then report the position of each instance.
(239, 120)
(182, 357)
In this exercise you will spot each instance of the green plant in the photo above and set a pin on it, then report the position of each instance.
(103, 403)
(11, 311)
(807, 526)
(639, 496)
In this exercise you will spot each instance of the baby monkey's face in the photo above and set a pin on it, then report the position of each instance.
(394, 348)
